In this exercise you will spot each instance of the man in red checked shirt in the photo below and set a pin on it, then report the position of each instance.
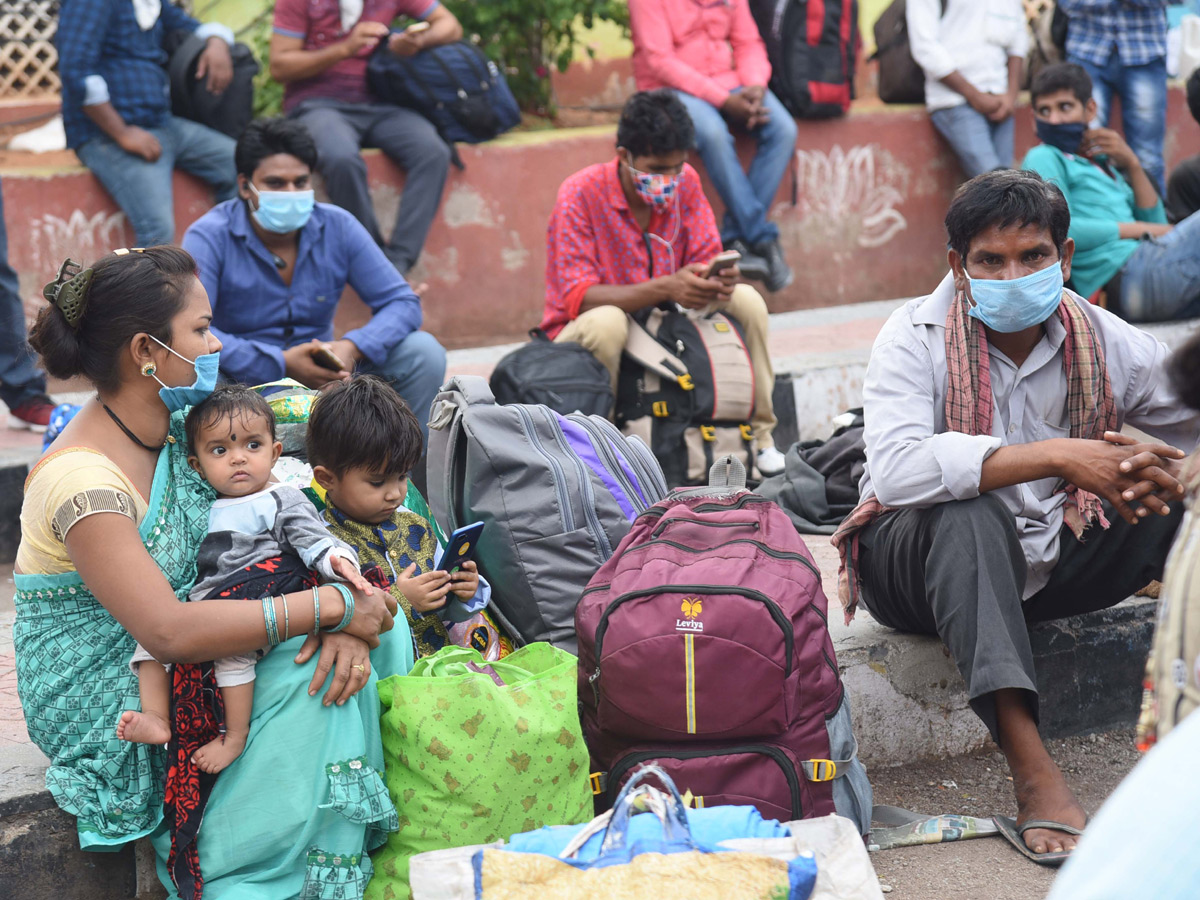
(319, 52)
(628, 234)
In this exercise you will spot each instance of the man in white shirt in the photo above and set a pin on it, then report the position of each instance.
(993, 408)
(973, 52)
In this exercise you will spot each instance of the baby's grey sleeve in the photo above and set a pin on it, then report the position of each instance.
(299, 527)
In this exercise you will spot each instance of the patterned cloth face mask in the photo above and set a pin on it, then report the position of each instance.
(656, 188)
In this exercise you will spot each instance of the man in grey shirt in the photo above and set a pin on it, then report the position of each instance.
(998, 490)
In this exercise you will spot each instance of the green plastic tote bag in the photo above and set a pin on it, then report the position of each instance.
(476, 751)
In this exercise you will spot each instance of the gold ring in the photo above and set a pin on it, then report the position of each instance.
(360, 668)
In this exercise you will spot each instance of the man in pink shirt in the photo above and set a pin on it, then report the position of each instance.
(319, 51)
(711, 54)
(637, 231)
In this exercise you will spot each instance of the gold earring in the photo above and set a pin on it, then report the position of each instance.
(149, 369)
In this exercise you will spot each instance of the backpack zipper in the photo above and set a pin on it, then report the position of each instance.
(705, 589)
(585, 485)
(777, 554)
(564, 503)
(666, 523)
(609, 458)
(775, 754)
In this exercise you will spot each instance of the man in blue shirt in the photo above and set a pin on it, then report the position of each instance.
(117, 109)
(275, 263)
(1123, 46)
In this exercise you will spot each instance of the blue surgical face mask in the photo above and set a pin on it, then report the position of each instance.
(283, 211)
(206, 366)
(1009, 306)
(1066, 136)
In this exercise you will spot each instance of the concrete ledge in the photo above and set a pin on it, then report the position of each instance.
(910, 703)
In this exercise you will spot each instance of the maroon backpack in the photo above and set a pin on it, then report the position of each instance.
(703, 647)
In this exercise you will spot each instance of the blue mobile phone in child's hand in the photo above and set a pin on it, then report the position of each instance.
(460, 548)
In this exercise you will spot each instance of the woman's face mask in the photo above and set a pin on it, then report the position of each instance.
(177, 398)
(283, 212)
(1017, 304)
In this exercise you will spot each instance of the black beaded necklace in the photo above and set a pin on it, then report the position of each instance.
(133, 437)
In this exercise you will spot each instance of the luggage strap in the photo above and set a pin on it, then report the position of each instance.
(820, 770)
(643, 349)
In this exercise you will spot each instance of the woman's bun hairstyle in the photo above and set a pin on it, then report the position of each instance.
(92, 317)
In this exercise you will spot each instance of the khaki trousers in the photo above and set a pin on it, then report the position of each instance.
(603, 331)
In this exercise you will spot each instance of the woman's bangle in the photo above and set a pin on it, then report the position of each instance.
(287, 624)
(272, 626)
(349, 601)
(316, 610)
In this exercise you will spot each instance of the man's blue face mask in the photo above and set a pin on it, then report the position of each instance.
(1011, 306)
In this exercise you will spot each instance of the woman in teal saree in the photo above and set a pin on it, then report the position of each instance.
(111, 524)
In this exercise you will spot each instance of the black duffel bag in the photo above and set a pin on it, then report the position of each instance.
(563, 376)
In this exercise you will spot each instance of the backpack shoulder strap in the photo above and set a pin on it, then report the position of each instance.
(650, 354)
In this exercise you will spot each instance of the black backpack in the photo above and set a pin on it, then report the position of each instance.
(228, 112)
(456, 87)
(814, 78)
(563, 376)
(901, 80)
(686, 388)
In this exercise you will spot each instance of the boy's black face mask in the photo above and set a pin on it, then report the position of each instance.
(1066, 136)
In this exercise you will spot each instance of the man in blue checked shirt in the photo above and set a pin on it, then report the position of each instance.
(275, 263)
(116, 106)
(1123, 46)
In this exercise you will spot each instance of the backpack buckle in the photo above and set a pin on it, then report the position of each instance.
(708, 432)
(747, 434)
(685, 382)
(659, 408)
(599, 783)
(822, 769)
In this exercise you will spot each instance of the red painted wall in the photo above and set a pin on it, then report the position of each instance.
(870, 193)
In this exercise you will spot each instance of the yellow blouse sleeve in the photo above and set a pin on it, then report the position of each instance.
(62, 490)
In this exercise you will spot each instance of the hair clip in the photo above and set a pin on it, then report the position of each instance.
(125, 251)
(69, 291)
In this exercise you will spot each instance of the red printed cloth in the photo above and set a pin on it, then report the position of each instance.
(593, 238)
(969, 407)
(319, 24)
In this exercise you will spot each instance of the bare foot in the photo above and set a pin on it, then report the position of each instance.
(1046, 795)
(219, 753)
(143, 728)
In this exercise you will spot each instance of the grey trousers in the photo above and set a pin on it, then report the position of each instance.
(957, 570)
(408, 139)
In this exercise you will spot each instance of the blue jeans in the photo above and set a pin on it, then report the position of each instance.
(415, 368)
(980, 144)
(747, 195)
(20, 378)
(1161, 281)
(143, 189)
(1143, 93)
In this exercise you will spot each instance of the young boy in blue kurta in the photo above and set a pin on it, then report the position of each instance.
(363, 440)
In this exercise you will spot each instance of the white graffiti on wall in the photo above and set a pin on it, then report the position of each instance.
(852, 192)
(79, 236)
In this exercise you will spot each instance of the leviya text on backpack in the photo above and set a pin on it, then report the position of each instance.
(813, 46)
(709, 582)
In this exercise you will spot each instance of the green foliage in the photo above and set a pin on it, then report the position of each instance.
(268, 93)
(529, 37)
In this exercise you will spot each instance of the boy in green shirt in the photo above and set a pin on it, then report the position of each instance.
(1150, 270)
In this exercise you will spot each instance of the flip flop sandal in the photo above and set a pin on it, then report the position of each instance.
(1016, 837)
